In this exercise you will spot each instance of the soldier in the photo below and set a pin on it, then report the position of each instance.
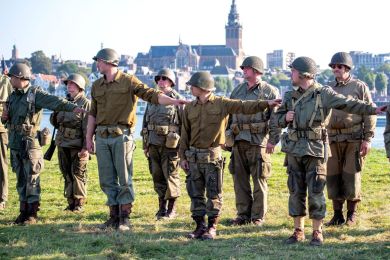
(254, 141)
(23, 117)
(305, 111)
(5, 91)
(70, 139)
(350, 141)
(161, 133)
(112, 115)
(204, 122)
(386, 134)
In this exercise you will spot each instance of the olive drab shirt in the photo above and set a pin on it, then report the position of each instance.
(18, 108)
(5, 91)
(262, 91)
(114, 103)
(160, 115)
(303, 112)
(352, 88)
(204, 125)
(386, 134)
(72, 127)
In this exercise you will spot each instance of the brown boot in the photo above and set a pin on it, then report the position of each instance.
(211, 232)
(113, 220)
(33, 209)
(124, 223)
(351, 213)
(317, 239)
(79, 205)
(70, 206)
(200, 228)
(171, 213)
(338, 218)
(23, 213)
(240, 220)
(162, 209)
(297, 236)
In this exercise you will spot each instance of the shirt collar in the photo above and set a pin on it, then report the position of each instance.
(343, 83)
(116, 79)
(211, 100)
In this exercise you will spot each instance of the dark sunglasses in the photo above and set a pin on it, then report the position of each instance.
(161, 77)
(333, 66)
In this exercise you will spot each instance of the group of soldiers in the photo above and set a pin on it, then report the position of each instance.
(328, 135)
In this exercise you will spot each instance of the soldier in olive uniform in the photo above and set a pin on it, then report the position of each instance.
(161, 134)
(386, 134)
(70, 139)
(254, 141)
(305, 111)
(23, 117)
(112, 117)
(202, 134)
(350, 141)
(5, 91)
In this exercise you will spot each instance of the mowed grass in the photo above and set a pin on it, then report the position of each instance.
(64, 235)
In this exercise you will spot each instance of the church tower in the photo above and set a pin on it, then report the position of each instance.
(233, 31)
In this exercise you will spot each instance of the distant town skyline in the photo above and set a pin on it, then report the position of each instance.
(76, 29)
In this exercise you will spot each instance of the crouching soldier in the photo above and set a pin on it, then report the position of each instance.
(70, 139)
(202, 134)
(161, 134)
(23, 116)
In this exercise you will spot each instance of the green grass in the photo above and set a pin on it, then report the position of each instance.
(60, 235)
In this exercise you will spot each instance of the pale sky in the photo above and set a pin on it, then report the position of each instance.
(75, 29)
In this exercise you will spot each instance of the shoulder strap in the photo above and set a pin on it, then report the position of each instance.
(318, 105)
(30, 119)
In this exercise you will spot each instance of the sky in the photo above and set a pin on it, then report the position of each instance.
(75, 29)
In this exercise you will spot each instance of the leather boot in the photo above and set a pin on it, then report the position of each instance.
(351, 212)
(162, 209)
(171, 213)
(23, 213)
(297, 236)
(338, 218)
(33, 209)
(124, 212)
(211, 232)
(79, 205)
(113, 221)
(200, 228)
(70, 206)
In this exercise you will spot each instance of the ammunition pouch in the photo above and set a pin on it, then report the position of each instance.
(110, 131)
(254, 128)
(44, 136)
(23, 129)
(211, 155)
(311, 134)
(163, 129)
(172, 140)
(355, 132)
(70, 133)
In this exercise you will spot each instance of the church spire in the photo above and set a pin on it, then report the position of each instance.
(233, 18)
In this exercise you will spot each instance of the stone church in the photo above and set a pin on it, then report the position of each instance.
(199, 57)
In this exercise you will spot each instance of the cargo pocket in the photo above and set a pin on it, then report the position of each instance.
(265, 163)
(214, 182)
(319, 182)
(173, 163)
(193, 182)
(36, 158)
(290, 181)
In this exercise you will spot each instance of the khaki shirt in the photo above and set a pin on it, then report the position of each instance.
(114, 103)
(352, 88)
(72, 127)
(303, 113)
(5, 91)
(262, 91)
(386, 134)
(204, 124)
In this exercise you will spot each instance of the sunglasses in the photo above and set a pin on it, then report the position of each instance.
(333, 66)
(161, 78)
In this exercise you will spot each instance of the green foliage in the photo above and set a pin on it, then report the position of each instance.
(40, 63)
(66, 235)
(223, 85)
(70, 68)
(381, 83)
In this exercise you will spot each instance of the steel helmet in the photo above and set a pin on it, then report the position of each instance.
(167, 73)
(77, 79)
(203, 80)
(254, 62)
(108, 55)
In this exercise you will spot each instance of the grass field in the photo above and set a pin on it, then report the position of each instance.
(64, 235)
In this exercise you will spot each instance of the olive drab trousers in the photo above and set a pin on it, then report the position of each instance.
(164, 168)
(306, 178)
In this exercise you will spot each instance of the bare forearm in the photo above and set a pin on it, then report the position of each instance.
(91, 127)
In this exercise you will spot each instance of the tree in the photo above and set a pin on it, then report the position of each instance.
(274, 81)
(220, 84)
(40, 63)
(68, 68)
(229, 86)
(369, 78)
(381, 83)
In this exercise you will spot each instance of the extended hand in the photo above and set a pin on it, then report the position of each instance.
(180, 102)
(270, 148)
(274, 102)
(381, 109)
(184, 165)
